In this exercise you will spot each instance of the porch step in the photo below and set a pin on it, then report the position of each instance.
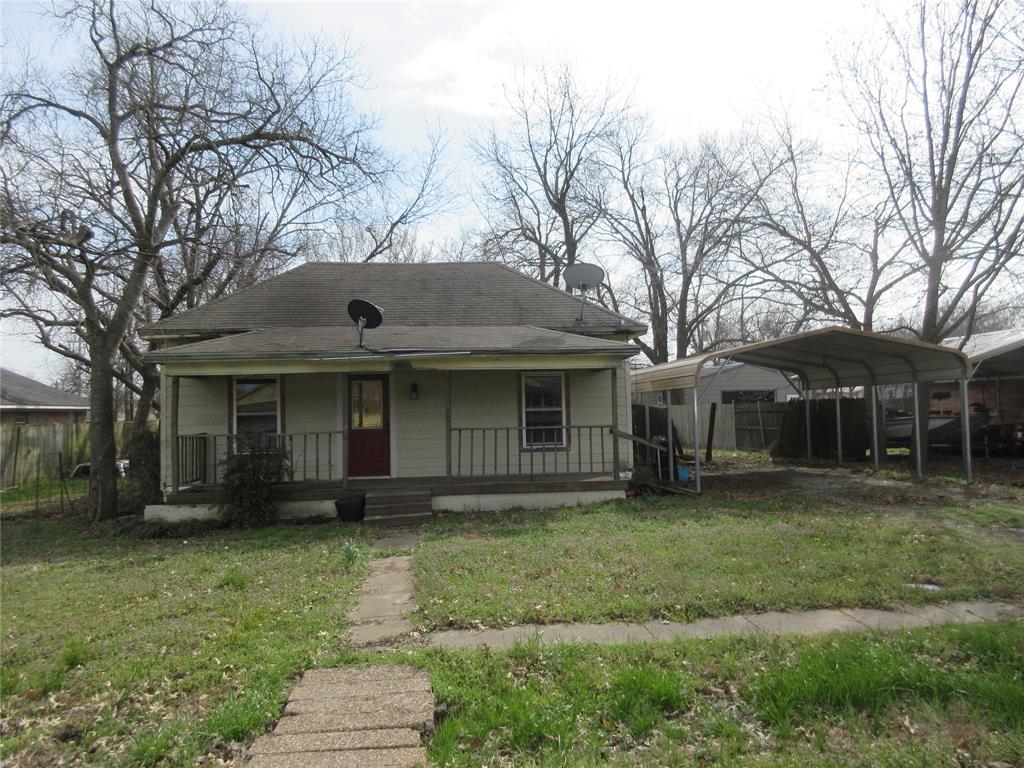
(397, 507)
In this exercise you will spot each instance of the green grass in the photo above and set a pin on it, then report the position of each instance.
(721, 554)
(23, 497)
(128, 652)
(939, 696)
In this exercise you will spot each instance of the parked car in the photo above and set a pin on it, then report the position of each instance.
(82, 470)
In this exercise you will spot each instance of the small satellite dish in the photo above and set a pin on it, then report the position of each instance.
(364, 315)
(582, 277)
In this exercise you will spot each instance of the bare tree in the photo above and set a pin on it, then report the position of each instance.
(828, 247)
(542, 176)
(940, 108)
(101, 164)
(681, 216)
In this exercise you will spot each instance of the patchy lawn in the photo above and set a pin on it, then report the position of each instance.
(22, 499)
(727, 552)
(950, 695)
(127, 652)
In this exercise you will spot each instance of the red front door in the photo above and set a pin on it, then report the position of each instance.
(369, 443)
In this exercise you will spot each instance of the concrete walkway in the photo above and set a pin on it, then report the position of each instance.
(775, 623)
(371, 717)
(385, 598)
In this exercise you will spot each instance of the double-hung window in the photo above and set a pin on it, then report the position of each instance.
(256, 408)
(544, 410)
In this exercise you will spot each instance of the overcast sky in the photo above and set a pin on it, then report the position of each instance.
(694, 67)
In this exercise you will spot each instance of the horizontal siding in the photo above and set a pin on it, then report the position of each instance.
(311, 410)
(202, 407)
(418, 425)
(481, 399)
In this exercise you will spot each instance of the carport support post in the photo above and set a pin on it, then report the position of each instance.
(696, 441)
(839, 428)
(917, 431)
(965, 431)
(668, 434)
(874, 427)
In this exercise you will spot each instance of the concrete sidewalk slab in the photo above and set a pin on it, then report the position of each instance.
(343, 690)
(617, 632)
(774, 623)
(335, 740)
(806, 623)
(415, 702)
(408, 757)
(385, 599)
(368, 717)
(703, 629)
(872, 618)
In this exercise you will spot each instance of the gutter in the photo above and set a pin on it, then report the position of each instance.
(155, 357)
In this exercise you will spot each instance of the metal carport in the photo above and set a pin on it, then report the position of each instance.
(831, 357)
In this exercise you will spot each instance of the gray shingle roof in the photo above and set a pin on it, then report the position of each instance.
(463, 294)
(325, 342)
(17, 391)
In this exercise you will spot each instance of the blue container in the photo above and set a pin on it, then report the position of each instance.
(683, 474)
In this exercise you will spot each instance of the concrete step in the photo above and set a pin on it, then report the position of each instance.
(397, 507)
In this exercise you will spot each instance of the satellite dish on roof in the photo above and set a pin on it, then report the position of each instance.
(582, 277)
(365, 315)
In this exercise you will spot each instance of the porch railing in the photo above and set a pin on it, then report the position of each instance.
(310, 456)
(474, 452)
(548, 450)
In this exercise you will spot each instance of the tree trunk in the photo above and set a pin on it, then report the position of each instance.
(103, 445)
(150, 385)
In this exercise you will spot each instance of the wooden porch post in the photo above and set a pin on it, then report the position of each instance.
(615, 423)
(344, 405)
(175, 397)
(448, 427)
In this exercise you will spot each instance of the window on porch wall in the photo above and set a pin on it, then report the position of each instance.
(543, 410)
(256, 408)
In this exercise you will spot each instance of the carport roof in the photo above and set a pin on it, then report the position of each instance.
(994, 352)
(821, 358)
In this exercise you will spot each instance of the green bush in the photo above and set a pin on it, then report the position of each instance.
(250, 477)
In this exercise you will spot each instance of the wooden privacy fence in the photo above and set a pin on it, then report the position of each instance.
(31, 448)
(760, 426)
(856, 433)
(757, 424)
(682, 424)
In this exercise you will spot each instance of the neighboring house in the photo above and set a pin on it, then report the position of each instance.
(27, 401)
(482, 389)
(731, 383)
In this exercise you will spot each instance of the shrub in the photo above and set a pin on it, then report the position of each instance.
(250, 477)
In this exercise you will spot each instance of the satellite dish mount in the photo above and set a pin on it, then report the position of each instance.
(583, 277)
(364, 315)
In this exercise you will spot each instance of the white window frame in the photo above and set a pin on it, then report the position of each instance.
(563, 427)
(234, 400)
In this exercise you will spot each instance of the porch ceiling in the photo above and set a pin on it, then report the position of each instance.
(342, 342)
(822, 358)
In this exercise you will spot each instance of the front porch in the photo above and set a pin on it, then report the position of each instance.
(453, 440)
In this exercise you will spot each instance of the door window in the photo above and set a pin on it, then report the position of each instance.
(367, 404)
